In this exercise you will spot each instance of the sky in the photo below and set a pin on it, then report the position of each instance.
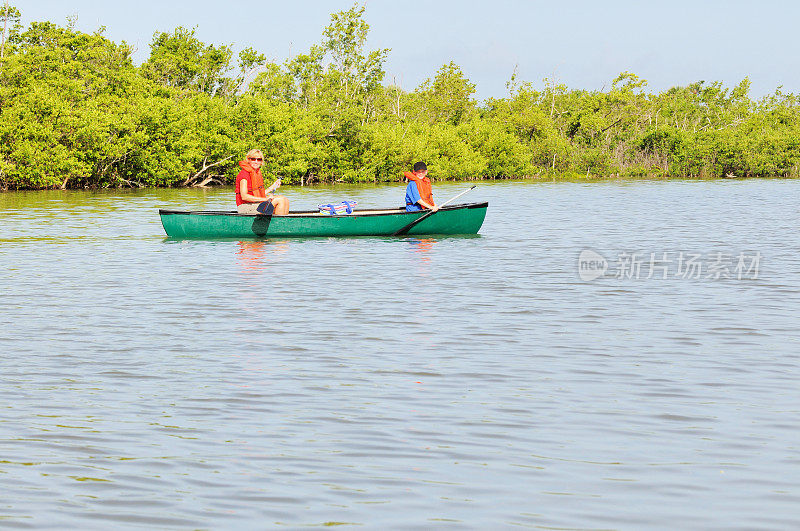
(582, 44)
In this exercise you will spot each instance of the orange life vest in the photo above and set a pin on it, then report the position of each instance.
(255, 182)
(423, 186)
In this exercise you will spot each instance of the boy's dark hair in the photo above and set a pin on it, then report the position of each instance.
(419, 166)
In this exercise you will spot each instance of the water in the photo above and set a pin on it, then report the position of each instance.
(470, 382)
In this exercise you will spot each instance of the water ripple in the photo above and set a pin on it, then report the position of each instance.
(468, 382)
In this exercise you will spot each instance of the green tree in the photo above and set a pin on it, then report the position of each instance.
(180, 60)
(76, 112)
(11, 26)
(447, 97)
(357, 72)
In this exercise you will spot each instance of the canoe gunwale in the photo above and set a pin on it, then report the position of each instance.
(316, 214)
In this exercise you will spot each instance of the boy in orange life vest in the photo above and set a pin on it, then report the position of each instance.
(418, 191)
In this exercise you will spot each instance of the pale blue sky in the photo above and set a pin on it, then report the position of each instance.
(583, 44)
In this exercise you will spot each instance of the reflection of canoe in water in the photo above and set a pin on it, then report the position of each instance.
(455, 219)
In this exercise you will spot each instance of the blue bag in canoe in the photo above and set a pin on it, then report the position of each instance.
(336, 209)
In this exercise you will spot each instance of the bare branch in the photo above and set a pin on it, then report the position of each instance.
(205, 167)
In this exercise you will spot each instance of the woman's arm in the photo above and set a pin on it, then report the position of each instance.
(248, 197)
(274, 186)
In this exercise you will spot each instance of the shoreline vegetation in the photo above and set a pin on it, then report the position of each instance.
(75, 112)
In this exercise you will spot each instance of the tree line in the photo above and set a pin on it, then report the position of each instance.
(76, 112)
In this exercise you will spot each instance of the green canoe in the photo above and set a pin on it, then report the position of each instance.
(456, 219)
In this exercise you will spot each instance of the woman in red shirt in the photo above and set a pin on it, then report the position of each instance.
(250, 192)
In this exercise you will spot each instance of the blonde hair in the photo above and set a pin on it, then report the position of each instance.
(253, 152)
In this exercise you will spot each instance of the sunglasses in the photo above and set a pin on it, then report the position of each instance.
(257, 159)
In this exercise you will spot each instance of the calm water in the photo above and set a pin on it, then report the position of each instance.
(469, 382)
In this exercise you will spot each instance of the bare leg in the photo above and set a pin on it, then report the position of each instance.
(281, 203)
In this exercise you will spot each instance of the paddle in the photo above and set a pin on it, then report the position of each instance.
(262, 220)
(408, 227)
